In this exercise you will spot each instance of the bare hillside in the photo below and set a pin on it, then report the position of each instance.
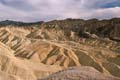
(34, 51)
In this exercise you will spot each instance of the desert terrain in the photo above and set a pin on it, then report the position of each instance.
(70, 49)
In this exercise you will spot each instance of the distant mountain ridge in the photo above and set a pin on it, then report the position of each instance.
(17, 23)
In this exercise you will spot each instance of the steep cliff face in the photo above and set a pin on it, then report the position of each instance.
(31, 53)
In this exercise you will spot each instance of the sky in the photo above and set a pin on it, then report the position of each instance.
(46, 10)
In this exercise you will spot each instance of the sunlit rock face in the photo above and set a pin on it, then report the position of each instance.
(45, 50)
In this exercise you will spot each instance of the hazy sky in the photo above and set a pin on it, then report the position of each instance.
(37, 10)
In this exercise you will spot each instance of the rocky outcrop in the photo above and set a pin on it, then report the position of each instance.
(79, 73)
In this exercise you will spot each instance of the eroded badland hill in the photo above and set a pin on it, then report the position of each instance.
(71, 49)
